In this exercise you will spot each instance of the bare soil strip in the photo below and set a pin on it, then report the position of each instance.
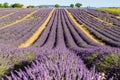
(6, 15)
(83, 28)
(17, 21)
(35, 36)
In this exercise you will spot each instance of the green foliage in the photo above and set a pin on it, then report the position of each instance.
(90, 60)
(57, 5)
(78, 5)
(72, 5)
(110, 65)
(1, 6)
(16, 61)
(30, 56)
(6, 5)
(31, 6)
(40, 6)
(3, 71)
(17, 5)
(19, 65)
(92, 57)
(111, 60)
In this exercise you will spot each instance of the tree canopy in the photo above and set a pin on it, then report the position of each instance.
(17, 5)
(40, 6)
(57, 5)
(78, 5)
(6, 5)
(72, 5)
(1, 6)
(31, 6)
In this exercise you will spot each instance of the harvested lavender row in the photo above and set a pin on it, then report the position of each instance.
(60, 35)
(96, 27)
(104, 15)
(48, 38)
(20, 32)
(80, 38)
(67, 37)
(16, 16)
(5, 12)
(45, 34)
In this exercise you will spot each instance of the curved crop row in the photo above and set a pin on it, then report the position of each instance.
(97, 28)
(16, 18)
(62, 32)
(20, 32)
(104, 15)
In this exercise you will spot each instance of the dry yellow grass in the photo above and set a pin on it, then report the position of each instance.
(6, 15)
(35, 36)
(83, 28)
(17, 21)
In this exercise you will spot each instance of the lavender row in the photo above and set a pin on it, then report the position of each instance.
(104, 15)
(78, 35)
(105, 59)
(55, 65)
(14, 17)
(62, 32)
(19, 33)
(6, 12)
(95, 27)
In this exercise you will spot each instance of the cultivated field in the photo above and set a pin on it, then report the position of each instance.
(59, 44)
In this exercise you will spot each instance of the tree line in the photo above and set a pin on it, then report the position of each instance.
(78, 5)
(19, 5)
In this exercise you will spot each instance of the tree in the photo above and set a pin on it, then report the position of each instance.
(17, 5)
(78, 5)
(57, 5)
(5, 5)
(40, 6)
(31, 6)
(72, 5)
(1, 6)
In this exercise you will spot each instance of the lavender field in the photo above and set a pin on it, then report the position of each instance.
(59, 44)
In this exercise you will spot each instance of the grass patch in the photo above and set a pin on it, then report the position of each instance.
(90, 59)
(30, 56)
(111, 60)
(3, 70)
(14, 62)
(110, 65)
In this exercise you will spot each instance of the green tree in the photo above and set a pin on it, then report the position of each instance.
(6, 5)
(57, 5)
(17, 5)
(78, 5)
(72, 5)
(1, 6)
(31, 6)
(40, 6)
